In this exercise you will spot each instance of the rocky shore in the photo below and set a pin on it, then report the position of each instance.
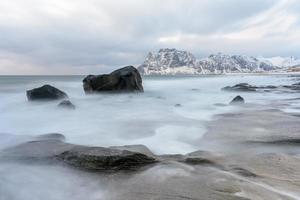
(251, 163)
(249, 153)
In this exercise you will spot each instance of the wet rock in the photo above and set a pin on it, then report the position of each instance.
(202, 158)
(126, 79)
(295, 86)
(46, 92)
(243, 172)
(66, 104)
(198, 161)
(51, 136)
(282, 141)
(241, 87)
(237, 100)
(99, 158)
(48, 148)
(135, 148)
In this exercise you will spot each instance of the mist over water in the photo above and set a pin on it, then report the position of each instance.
(150, 118)
(169, 117)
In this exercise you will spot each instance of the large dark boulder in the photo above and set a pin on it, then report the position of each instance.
(46, 92)
(126, 79)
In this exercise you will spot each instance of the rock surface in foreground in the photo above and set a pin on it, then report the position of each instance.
(46, 92)
(47, 149)
(126, 79)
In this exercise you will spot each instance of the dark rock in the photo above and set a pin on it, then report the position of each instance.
(282, 141)
(237, 100)
(241, 87)
(135, 148)
(66, 104)
(83, 157)
(245, 87)
(243, 172)
(126, 79)
(295, 86)
(268, 87)
(51, 136)
(198, 161)
(46, 92)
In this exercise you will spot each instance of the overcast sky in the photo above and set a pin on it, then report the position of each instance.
(90, 36)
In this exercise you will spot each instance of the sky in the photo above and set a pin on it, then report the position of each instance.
(96, 36)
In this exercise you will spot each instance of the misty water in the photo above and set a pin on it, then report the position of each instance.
(151, 118)
(170, 117)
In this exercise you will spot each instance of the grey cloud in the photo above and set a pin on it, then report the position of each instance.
(121, 32)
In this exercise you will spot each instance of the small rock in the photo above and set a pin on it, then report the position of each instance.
(178, 105)
(242, 87)
(66, 104)
(46, 92)
(243, 172)
(237, 100)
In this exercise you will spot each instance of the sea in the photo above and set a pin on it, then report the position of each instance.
(167, 117)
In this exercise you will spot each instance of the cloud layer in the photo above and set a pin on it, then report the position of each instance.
(79, 36)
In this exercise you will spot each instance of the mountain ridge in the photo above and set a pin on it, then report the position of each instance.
(170, 61)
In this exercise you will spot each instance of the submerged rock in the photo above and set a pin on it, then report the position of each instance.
(66, 104)
(51, 136)
(46, 92)
(126, 79)
(237, 100)
(241, 87)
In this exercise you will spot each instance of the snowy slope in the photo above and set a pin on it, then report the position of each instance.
(172, 61)
(283, 62)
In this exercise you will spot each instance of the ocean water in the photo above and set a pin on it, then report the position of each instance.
(150, 118)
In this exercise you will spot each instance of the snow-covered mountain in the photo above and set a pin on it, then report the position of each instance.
(282, 62)
(222, 63)
(171, 61)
